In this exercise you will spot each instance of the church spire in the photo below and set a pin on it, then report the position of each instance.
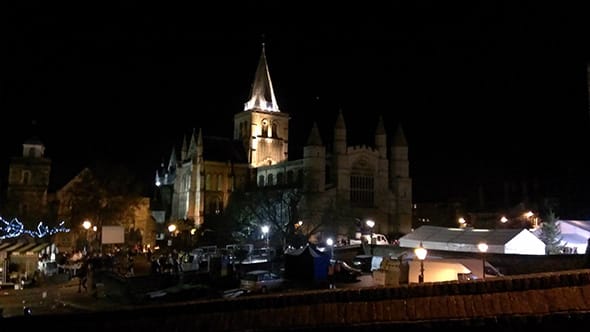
(314, 136)
(399, 139)
(172, 161)
(262, 96)
(192, 146)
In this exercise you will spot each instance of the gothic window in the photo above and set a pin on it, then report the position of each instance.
(362, 190)
(275, 130)
(280, 179)
(270, 181)
(264, 128)
(214, 206)
(26, 177)
(300, 177)
(261, 181)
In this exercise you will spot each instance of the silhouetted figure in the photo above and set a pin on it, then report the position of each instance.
(83, 277)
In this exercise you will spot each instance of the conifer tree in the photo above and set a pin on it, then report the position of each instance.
(551, 234)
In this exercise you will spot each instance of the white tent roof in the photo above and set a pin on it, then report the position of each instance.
(516, 241)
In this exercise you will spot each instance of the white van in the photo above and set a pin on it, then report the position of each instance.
(378, 239)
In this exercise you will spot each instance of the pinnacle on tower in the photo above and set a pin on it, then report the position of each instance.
(262, 96)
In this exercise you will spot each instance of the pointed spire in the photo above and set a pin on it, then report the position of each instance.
(380, 126)
(157, 179)
(399, 139)
(192, 146)
(172, 161)
(340, 121)
(314, 136)
(200, 137)
(183, 149)
(262, 96)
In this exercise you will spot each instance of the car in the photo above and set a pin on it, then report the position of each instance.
(261, 281)
(363, 262)
(344, 272)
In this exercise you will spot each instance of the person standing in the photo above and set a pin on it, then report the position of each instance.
(83, 276)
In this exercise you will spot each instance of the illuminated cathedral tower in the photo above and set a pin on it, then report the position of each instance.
(261, 127)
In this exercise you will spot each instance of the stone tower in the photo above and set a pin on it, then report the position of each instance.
(28, 180)
(400, 181)
(261, 127)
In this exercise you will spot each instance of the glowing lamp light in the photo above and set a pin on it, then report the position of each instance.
(421, 252)
(503, 220)
(482, 247)
(370, 223)
(171, 228)
(86, 224)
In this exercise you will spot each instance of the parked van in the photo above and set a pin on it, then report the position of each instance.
(378, 239)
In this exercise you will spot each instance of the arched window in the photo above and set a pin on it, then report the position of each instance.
(261, 181)
(280, 179)
(271, 180)
(264, 128)
(26, 177)
(275, 130)
(32, 153)
(219, 183)
(208, 182)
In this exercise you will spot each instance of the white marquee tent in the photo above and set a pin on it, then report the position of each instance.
(500, 241)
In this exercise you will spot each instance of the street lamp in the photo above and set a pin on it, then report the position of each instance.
(421, 252)
(265, 229)
(171, 230)
(86, 224)
(483, 247)
(330, 244)
(370, 223)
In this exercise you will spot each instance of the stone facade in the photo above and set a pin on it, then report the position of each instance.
(372, 181)
(28, 181)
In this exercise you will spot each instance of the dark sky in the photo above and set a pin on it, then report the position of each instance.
(485, 90)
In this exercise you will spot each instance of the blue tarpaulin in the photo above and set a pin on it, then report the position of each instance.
(307, 264)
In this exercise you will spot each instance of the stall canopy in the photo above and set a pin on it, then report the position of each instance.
(500, 241)
(307, 264)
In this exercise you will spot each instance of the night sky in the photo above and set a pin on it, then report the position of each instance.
(483, 90)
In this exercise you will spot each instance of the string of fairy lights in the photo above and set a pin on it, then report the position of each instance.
(15, 228)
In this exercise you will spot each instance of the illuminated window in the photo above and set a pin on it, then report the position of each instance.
(219, 183)
(208, 182)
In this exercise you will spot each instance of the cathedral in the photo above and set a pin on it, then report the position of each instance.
(369, 182)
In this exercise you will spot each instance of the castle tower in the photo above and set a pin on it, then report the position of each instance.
(314, 162)
(262, 127)
(28, 180)
(400, 181)
(341, 167)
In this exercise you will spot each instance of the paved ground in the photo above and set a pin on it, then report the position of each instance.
(60, 295)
